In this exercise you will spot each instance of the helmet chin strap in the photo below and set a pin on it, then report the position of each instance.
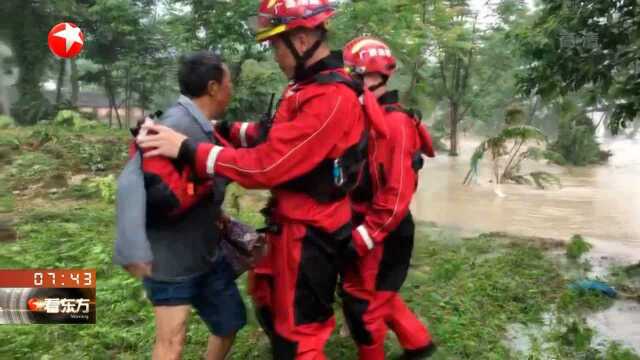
(301, 60)
(374, 87)
(377, 86)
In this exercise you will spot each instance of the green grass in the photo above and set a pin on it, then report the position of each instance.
(468, 291)
(465, 294)
(6, 197)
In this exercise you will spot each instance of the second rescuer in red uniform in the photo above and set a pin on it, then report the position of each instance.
(384, 229)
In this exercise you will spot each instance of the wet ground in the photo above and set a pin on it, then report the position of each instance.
(601, 203)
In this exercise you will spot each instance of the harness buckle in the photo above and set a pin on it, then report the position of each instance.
(338, 173)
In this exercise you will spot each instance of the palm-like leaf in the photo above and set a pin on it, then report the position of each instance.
(497, 146)
(544, 179)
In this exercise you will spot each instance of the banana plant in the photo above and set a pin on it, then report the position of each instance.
(512, 146)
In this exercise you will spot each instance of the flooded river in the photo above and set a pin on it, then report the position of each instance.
(601, 203)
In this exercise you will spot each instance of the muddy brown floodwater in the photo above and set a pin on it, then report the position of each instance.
(602, 203)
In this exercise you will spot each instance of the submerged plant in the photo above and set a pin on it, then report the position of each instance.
(514, 144)
(509, 145)
(576, 142)
(577, 247)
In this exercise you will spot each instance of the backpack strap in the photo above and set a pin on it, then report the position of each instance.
(335, 77)
(412, 113)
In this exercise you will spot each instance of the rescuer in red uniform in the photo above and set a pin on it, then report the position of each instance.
(384, 229)
(311, 159)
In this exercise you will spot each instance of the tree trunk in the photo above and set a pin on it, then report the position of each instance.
(62, 63)
(31, 58)
(453, 125)
(116, 108)
(407, 98)
(108, 86)
(4, 96)
(635, 130)
(127, 97)
(75, 85)
(107, 89)
(143, 99)
(532, 110)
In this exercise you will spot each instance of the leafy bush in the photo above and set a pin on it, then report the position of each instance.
(9, 147)
(576, 142)
(92, 156)
(6, 122)
(71, 118)
(94, 149)
(258, 80)
(578, 335)
(514, 115)
(106, 186)
(42, 134)
(31, 109)
(577, 247)
(509, 145)
(555, 157)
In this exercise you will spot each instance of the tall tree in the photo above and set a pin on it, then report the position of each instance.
(226, 27)
(23, 28)
(433, 40)
(586, 45)
(455, 62)
(74, 79)
(493, 86)
(62, 66)
(115, 33)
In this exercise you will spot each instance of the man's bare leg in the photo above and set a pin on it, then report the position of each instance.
(171, 329)
(219, 347)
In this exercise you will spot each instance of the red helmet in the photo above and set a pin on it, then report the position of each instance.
(278, 16)
(365, 55)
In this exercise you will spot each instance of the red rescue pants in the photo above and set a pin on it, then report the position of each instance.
(370, 298)
(293, 289)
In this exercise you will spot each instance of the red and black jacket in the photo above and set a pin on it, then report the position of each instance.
(383, 197)
(172, 188)
(316, 123)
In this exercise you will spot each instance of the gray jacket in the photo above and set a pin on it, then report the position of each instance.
(177, 248)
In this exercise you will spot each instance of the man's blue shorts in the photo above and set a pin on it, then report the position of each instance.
(213, 294)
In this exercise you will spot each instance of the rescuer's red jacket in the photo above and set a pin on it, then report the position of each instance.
(313, 122)
(383, 198)
(172, 188)
(243, 134)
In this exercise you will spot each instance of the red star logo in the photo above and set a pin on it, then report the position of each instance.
(66, 40)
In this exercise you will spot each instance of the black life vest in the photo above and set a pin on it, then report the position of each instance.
(333, 179)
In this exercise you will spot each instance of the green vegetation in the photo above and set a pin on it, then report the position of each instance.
(6, 122)
(453, 67)
(577, 247)
(583, 46)
(513, 145)
(57, 176)
(468, 290)
(627, 281)
(576, 142)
